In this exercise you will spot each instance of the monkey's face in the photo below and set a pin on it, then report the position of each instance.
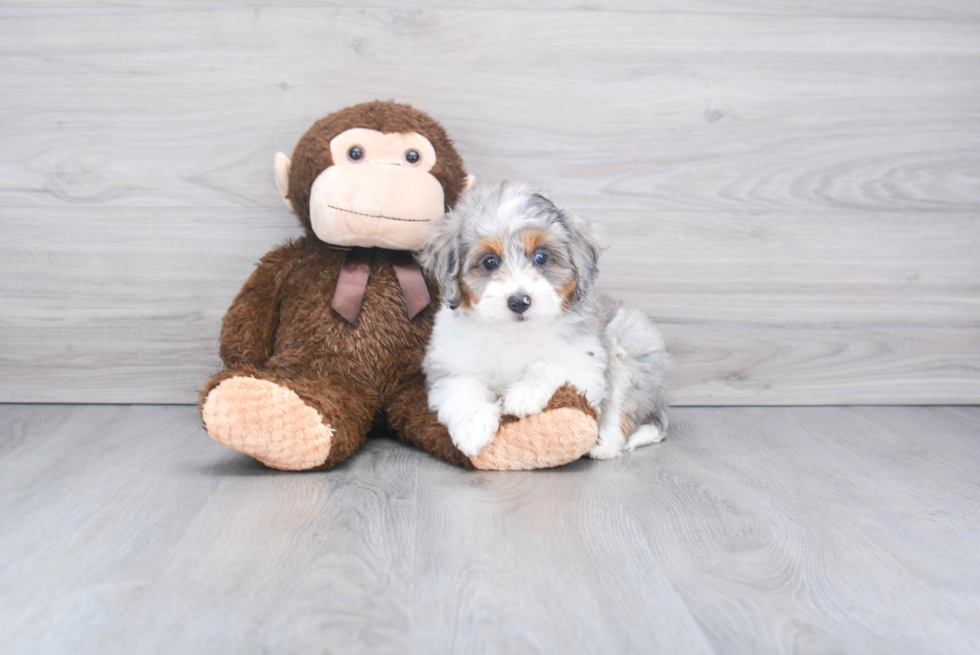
(379, 191)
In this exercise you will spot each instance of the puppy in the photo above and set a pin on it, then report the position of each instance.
(518, 322)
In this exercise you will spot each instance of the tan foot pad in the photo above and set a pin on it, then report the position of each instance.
(268, 422)
(553, 438)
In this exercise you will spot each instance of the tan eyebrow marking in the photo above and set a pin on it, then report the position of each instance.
(534, 239)
(490, 244)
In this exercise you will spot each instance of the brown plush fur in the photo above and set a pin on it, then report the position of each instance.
(281, 327)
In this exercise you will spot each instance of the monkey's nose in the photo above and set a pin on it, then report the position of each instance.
(519, 302)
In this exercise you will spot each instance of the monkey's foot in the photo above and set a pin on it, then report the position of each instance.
(266, 421)
(566, 429)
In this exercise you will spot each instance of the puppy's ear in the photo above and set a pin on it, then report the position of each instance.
(440, 256)
(585, 246)
(583, 243)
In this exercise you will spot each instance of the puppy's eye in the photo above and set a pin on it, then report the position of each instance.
(540, 258)
(356, 153)
(490, 263)
(412, 156)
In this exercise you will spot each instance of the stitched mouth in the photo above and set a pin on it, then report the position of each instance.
(387, 218)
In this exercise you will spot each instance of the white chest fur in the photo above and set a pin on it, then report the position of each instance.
(501, 354)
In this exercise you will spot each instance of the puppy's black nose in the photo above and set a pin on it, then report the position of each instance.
(519, 302)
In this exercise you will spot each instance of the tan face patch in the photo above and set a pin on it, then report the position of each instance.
(466, 297)
(493, 244)
(566, 293)
(534, 239)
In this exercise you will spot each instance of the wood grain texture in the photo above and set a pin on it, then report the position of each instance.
(792, 191)
(914, 9)
(772, 323)
(749, 530)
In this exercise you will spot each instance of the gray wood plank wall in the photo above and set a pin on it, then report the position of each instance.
(791, 188)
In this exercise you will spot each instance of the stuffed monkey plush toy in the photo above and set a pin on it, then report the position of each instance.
(328, 334)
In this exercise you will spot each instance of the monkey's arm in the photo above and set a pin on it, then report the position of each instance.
(249, 327)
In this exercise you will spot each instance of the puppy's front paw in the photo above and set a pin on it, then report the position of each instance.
(475, 432)
(606, 450)
(526, 398)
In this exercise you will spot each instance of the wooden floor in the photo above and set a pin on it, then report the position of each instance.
(749, 530)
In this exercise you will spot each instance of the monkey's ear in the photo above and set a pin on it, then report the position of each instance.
(440, 256)
(282, 178)
(469, 183)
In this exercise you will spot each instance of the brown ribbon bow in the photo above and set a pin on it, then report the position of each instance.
(352, 282)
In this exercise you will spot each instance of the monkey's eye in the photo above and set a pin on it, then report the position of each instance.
(540, 258)
(490, 263)
(412, 156)
(355, 153)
